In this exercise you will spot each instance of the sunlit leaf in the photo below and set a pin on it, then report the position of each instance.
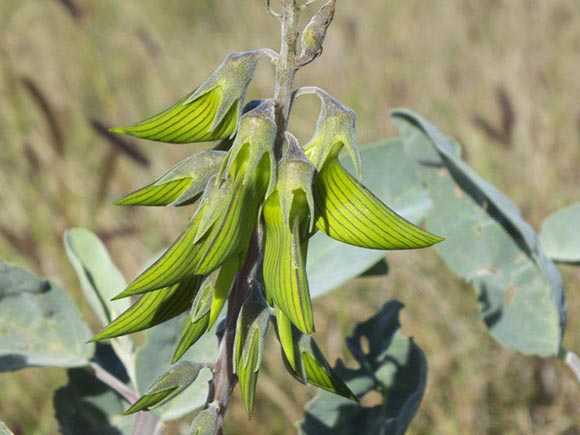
(39, 323)
(560, 235)
(489, 244)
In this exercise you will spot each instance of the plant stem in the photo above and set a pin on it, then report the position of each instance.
(224, 380)
(286, 68)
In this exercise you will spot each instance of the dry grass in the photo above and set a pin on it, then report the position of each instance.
(501, 76)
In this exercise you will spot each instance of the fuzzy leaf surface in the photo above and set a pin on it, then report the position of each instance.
(39, 324)
(488, 243)
(560, 235)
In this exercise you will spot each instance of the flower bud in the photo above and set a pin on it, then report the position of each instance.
(251, 330)
(171, 383)
(346, 210)
(315, 32)
(305, 361)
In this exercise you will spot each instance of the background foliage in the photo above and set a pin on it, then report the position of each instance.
(499, 76)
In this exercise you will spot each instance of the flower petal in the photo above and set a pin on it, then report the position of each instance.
(285, 265)
(181, 185)
(152, 309)
(349, 212)
(187, 122)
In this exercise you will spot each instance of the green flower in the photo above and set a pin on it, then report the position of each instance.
(345, 209)
(228, 210)
(210, 112)
(289, 217)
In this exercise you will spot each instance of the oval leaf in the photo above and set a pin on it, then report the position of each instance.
(489, 244)
(560, 235)
(39, 323)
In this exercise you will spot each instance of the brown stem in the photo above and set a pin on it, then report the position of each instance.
(224, 380)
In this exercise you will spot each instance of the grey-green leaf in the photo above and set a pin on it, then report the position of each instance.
(488, 244)
(393, 366)
(390, 175)
(86, 406)
(154, 357)
(4, 429)
(99, 277)
(560, 235)
(39, 324)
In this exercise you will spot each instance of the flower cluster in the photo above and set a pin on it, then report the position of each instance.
(241, 188)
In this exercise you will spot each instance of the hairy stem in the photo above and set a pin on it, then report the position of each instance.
(286, 68)
(224, 380)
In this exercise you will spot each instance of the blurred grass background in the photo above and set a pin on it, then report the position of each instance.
(501, 76)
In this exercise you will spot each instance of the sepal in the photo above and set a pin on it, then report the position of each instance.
(335, 130)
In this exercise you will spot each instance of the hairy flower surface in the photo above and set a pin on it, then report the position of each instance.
(244, 191)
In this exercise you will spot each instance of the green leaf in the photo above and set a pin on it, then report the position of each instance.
(100, 280)
(99, 277)
(181, 185)
(560, 235)
(168, 385)
(39, 324)
(350, 213)
(153, 359)
(489, 244)
(152, 309)
(389, 174)
(393, 366)
(87, 406)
